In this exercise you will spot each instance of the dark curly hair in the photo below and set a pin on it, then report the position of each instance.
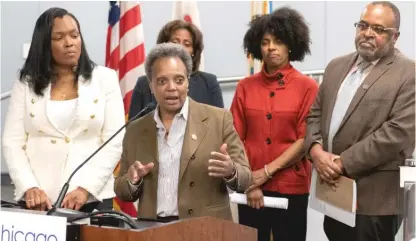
(37, 70)
(197, 39)
(287, 25)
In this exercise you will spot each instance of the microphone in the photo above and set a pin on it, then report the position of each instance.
(56, 210)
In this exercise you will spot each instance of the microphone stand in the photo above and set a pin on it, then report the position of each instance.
(56, 209)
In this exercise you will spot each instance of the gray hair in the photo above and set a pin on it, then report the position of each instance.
(167, 50)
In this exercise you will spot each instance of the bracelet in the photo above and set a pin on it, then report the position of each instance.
(267, 172)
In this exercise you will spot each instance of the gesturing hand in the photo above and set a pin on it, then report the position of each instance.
(75, 199)
(221, 164)
(37, 199)
(138, 170)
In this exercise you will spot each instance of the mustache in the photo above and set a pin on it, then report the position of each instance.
(368, 41)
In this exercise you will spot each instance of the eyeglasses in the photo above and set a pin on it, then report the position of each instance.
(362, 26)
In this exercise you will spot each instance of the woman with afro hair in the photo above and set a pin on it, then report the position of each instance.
(270, 110)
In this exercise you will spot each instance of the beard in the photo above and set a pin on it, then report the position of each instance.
(366, 48)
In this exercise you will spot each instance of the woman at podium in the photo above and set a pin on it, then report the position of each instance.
(179, 159)
(62, 108)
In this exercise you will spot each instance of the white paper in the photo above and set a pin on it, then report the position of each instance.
(407, 174)
(330, 210)
(270, 202)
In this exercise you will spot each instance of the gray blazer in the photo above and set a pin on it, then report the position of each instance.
(378, 131)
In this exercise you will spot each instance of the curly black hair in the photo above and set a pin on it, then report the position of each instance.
(37, 70)
(287, 25)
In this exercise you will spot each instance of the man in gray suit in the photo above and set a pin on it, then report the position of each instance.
(362, 124)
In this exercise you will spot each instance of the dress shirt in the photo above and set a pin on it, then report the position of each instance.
(170, 149)
(352, 88)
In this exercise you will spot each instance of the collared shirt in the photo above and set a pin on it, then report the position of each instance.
(365, 73)
(170, 149)
(352, 90)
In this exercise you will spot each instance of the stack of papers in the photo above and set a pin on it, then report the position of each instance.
(339, 204)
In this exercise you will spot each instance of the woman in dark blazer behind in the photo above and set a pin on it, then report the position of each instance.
(203, 87)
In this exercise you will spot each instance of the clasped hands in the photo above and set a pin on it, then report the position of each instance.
(37, 199)
(220, 165)
(327, 165)
(254, 193)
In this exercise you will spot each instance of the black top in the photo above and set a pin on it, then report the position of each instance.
(203, 88)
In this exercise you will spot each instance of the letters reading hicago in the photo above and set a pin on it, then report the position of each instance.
(14, 234)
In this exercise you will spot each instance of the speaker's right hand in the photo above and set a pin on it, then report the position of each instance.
(138, 170)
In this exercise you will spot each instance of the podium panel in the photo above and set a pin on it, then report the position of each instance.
(198, 229)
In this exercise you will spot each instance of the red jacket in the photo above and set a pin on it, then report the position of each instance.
(270, 115)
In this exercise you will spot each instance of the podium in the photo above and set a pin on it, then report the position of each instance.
(20, 222)
(196, 229)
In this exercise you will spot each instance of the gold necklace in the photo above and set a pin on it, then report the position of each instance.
(63, 95)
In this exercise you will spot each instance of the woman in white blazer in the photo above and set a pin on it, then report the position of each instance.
(62, 108)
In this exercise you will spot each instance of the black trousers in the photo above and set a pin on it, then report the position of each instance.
(367, 228)
(286, 225)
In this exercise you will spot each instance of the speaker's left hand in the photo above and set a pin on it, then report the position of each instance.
(221, 164)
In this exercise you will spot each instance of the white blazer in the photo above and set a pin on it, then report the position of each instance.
(40, 155)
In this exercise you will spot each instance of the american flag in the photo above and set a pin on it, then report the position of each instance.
(125, 53)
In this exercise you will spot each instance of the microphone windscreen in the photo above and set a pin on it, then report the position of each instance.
(151, 106)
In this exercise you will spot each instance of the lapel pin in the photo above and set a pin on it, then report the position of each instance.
(194, 137)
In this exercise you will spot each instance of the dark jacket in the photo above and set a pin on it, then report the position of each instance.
(203, 88)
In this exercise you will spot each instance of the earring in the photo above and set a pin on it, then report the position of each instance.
(290, 51)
